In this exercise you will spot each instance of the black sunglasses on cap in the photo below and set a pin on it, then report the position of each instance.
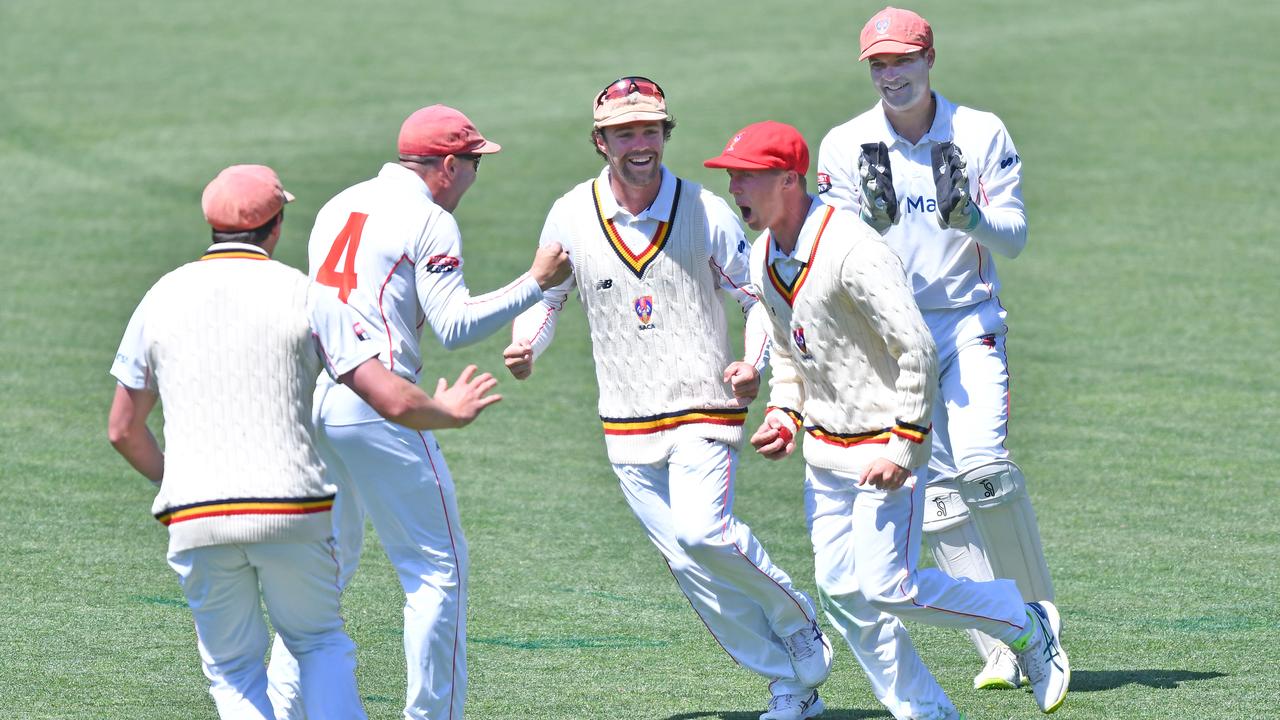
(625, 86)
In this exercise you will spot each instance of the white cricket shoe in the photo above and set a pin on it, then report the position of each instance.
(1001, 672)
(1043, 658)
(811, 655)
(794, 707)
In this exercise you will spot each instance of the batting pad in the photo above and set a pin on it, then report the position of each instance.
(956, 545)
(996, 495)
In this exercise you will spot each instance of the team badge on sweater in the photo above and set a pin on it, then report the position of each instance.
(644, 311)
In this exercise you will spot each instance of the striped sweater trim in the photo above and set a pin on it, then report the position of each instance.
(667, 421)
(245, 506)
(636, 263)
(904, 430)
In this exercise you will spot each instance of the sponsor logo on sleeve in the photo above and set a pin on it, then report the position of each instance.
(443, 264)
(824, 183)
(644, 311)
(1009, 161)
(604, 284)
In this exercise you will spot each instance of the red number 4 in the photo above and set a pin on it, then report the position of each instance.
(349, 241)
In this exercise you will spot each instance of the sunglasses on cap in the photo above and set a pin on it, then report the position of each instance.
(625, 86)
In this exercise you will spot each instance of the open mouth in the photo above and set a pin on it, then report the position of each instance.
(746, 212)
(641, 161)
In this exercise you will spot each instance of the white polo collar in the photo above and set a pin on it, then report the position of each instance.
(403, 176)
(940, 131)
(658, 211)
(804, 243)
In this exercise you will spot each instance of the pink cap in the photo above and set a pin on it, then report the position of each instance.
(764, 145)
(894, 31)
(243, 197)
(441, 130)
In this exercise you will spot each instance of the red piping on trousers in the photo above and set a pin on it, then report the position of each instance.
(725, 527)
(453, 666)
(911, 573)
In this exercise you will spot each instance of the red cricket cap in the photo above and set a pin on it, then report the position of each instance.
(764, 145)
(894, 31)
(441, 130)
(243, 197)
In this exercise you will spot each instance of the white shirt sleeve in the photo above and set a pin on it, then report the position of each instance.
(538, 324)
(730, 260)
(1003, 226)
(838, 183)
(456, 317)
(340, 342)
(131, 367)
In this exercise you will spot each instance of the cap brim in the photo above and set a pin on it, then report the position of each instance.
(633, 116)
(288, 196)
(729, 162)
(889, 47)
(488, 148)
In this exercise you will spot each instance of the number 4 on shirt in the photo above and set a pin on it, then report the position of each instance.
(349, 241)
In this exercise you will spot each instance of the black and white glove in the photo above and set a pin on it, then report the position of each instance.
(875, 179)
(955, 208)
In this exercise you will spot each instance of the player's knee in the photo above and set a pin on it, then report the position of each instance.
(699, 542)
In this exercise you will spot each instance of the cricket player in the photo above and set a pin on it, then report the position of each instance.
(854, 370)
(231, 345)
(942, 183)
(651, 254)
(391, 250)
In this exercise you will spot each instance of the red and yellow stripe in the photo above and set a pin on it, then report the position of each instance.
(667, 421)
(641, 261)
(248, 506)
(914, 433)
(847, 440)
(905, 430)
(233, 255)
(788, 292)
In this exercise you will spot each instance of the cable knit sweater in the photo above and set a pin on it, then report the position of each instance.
(853, 362)
(230, 345)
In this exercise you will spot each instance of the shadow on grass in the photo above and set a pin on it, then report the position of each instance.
(1096, 680)
(830, 714)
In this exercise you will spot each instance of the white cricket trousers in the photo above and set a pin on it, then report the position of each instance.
(298, 582)
(866, 545)
(399, 479)
(747, 603)
(971, 412)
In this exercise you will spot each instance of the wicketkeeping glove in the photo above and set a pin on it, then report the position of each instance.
(955, 208)
(879, 201)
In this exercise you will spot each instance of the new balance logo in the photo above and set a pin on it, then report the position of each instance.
(604, 284)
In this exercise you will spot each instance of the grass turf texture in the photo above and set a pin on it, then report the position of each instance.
(1143, 320)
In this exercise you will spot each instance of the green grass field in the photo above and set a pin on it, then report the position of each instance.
(1143, 314)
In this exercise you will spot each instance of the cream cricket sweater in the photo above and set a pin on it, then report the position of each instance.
(853, 362)
(229, 342)
(658, 330)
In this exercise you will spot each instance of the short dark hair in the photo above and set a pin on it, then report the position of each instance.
(667, 126)
(256, 236)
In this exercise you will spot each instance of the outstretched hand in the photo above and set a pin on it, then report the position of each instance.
(468, 396)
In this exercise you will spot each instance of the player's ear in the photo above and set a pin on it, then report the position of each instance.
(929, 57)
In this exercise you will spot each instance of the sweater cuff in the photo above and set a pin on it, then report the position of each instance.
(909, 445)
(788, 417)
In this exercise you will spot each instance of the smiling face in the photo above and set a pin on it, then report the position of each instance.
(634, 152)
(758, 194)
(902, 81)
